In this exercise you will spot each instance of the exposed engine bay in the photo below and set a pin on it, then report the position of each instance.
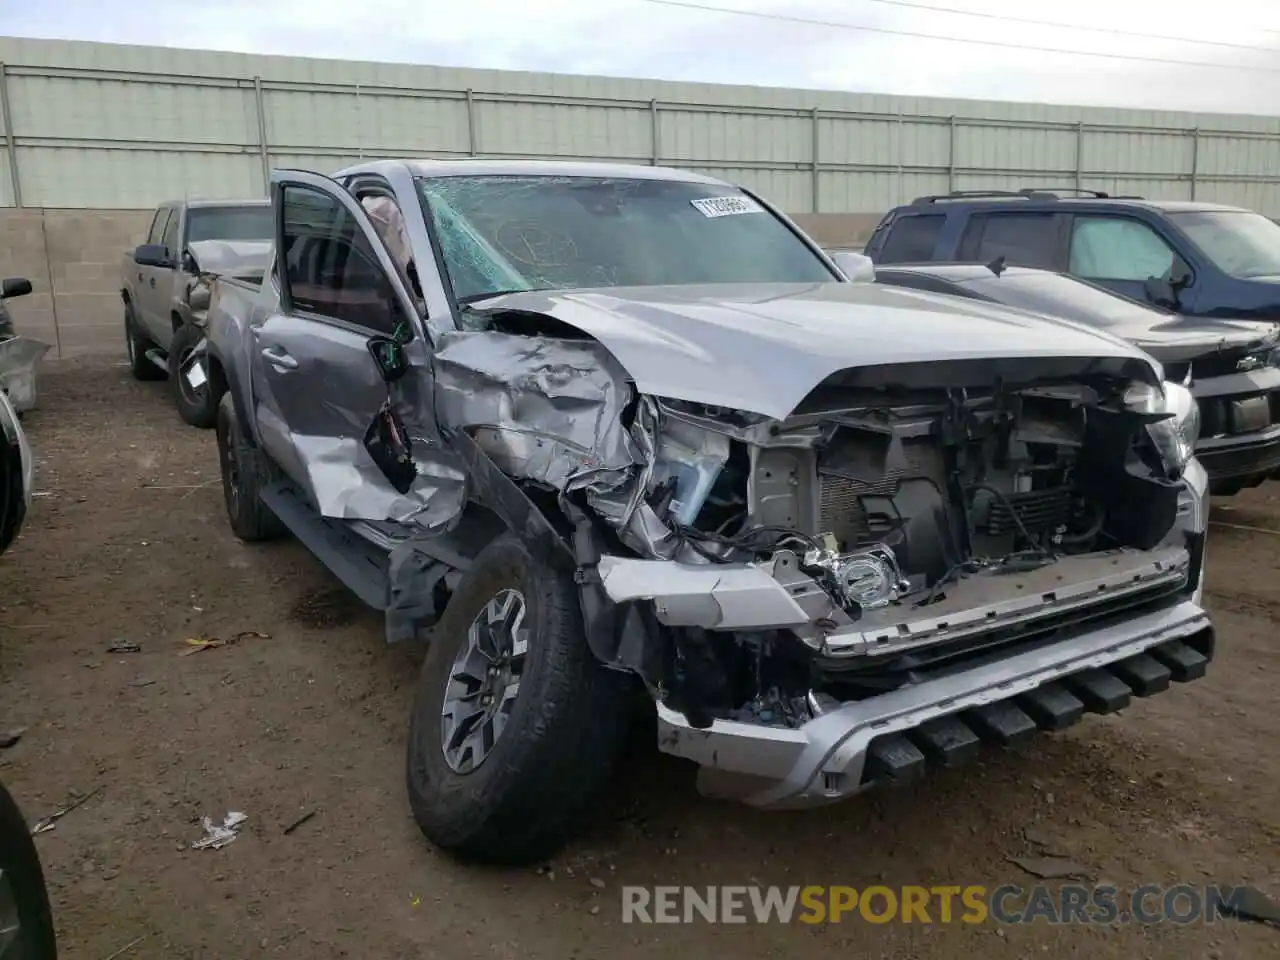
(886, 505)
(880, 532)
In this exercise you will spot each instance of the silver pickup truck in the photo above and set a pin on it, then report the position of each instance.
(165, 296)
(597, 431)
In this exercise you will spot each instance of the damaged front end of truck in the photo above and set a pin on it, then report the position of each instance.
(837, 574)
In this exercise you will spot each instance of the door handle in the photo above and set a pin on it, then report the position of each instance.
(279, 358)
(140, 278)
(153, 283)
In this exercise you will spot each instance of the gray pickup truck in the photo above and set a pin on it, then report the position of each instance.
(165, 290)
(597, 431)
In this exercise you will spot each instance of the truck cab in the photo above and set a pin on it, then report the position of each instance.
(1198, 259)
(163, 323)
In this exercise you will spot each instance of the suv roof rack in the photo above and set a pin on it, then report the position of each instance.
(1026, 193)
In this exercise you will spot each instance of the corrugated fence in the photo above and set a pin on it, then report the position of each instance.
(104, 126)
(93, 134)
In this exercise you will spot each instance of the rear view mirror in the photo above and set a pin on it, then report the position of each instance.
(857, 267)
(151, 255)
(15, 287)
(389, 355)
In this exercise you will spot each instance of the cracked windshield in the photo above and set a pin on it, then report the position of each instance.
(505, 233)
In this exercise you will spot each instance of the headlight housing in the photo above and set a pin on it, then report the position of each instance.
(1175, 437)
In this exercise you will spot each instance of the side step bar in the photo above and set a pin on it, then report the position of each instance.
(156, 356)
(360, 565)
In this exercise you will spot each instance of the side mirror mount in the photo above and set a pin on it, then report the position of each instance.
(14, 287)
(1164, 291)
(151, 255)
(857, 267)
(189, 264)
(388, 354)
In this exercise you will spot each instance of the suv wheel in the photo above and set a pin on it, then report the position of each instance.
(137, 345)
(197, 406)
(516, 726)
(246, 472)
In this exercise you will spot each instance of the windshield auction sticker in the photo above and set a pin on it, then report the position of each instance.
(726, 206)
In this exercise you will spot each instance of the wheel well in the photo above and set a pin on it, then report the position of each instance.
(124, 295)
(217, 376)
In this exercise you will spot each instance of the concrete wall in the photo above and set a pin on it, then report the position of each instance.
(72, 258)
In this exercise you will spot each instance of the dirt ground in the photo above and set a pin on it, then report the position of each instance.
(127, 540)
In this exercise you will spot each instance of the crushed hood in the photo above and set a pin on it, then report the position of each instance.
(761, 348)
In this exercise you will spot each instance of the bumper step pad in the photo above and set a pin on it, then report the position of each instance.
(950, 741)
(1143, 674)
(1183, 662)
(1100, 691)
(894, 759)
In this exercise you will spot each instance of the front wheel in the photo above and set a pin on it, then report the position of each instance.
(516, 726)
(193, 392)
(246, 472)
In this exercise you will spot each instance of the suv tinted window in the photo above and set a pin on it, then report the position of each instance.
(911, 239)
(330, 267)
(1023, 239)
(1117, 248)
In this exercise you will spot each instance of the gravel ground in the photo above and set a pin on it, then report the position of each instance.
(127, 540)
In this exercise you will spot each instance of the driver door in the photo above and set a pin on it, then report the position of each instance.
(317, 389)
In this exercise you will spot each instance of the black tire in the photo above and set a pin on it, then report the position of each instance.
(567, 725)
(246, 471)
(20, 870)
(137, 345)
(197, 406)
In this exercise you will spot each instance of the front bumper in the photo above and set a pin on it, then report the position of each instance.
(894, 735)
(1044, 681)
(1241, 457)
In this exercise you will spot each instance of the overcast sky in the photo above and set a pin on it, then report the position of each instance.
(642, 38)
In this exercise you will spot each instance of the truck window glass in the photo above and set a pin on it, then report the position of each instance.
(330, 267)
(157, 225)
(170, 237)
(1023, 239)
(501, 233)
(1117, 248)
(911, 239)
(230, 223)
(1240, 243)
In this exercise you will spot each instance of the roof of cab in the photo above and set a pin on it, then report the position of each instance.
(484, 167)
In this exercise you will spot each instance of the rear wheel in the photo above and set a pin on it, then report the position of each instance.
(197, 404)
(246, 472)
(516, 726)
(137, 345)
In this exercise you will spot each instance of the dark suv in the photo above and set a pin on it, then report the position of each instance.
(1200, 259)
